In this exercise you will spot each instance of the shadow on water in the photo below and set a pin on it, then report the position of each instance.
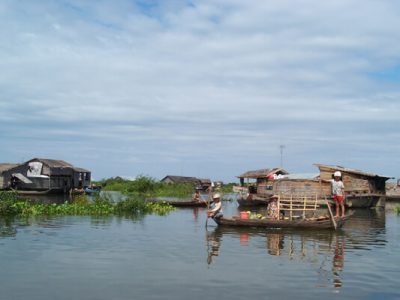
(325, 250)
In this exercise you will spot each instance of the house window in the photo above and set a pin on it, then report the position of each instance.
(269, 187)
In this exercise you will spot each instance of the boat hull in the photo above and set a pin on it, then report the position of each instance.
(252, 203)
(325, 223)
(181, 203)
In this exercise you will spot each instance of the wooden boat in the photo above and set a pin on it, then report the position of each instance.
(91, 190)
(32, 192)
(182, 203)
(311, 223)
(253, 202)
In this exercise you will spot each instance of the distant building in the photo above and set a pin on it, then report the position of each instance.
(43, 175)
(202, 183)
(262, 177)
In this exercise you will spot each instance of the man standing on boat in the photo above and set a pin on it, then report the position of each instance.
(216, 209)
(338, 192)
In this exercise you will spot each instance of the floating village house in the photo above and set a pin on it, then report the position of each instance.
(203, 183)
(362, 189)
(43, 175)
(260, 181)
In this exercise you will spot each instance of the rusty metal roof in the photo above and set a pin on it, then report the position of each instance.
(348, 170)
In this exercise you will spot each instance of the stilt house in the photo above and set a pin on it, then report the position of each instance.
(45, 175)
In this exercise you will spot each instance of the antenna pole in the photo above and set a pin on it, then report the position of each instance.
(281, 147)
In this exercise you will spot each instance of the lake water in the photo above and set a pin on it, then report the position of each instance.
(176, 257)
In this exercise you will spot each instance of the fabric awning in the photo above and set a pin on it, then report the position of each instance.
(22, 178)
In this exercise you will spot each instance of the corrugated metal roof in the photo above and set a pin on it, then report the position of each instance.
(262, 173)
(348, 170)
(81, 170)
(302, 176)
(53, 163)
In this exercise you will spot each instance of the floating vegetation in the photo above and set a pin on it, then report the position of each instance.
(12, 205)
(397, 209)
(150, 187)
(147, 187)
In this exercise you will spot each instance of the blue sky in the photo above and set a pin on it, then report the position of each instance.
(201, 88)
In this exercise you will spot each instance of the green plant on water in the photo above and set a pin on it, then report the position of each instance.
(12, 205)
(397, 209)
(147, 186)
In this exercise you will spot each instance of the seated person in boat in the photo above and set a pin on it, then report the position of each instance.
(272, 209)
(249, 196)
(196, 196)
(216, 207)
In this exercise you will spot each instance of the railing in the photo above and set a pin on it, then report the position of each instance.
(302, 203)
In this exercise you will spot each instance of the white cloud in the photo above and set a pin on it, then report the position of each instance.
(200, 81)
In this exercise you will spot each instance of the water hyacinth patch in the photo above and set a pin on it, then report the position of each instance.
(12, 205)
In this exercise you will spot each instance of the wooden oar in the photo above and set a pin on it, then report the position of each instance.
(331, 214)
(208, 203)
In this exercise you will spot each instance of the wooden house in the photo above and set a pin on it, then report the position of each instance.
(4, 183)
(362, 189)
(46, 176)
(260, 181)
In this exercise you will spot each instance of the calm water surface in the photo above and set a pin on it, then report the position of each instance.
(175, 256)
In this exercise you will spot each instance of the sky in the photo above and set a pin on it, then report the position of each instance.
(201, 88)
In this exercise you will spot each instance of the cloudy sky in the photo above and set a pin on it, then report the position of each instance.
(207, 88)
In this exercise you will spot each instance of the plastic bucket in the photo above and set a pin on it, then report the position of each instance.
(244, 215)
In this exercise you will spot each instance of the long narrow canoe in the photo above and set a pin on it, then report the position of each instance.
(177, 203)
(315, 223)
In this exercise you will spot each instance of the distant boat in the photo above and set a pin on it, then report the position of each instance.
(92, 190)
(180, 203)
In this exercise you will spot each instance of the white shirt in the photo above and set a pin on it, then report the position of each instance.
(337, 188)
(217, 207)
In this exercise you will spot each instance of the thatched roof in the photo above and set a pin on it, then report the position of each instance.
(263, 173)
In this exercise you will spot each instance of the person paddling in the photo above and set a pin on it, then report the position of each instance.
(216, 207)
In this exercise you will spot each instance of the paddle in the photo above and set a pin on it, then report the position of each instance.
(331, 214)
(208, 202)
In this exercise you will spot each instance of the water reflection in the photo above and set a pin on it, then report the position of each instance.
(7, 228)
(275, 243)
(324, 250)
(338, 261)
(213, 239)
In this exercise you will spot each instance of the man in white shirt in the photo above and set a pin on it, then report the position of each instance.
(216, 209)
